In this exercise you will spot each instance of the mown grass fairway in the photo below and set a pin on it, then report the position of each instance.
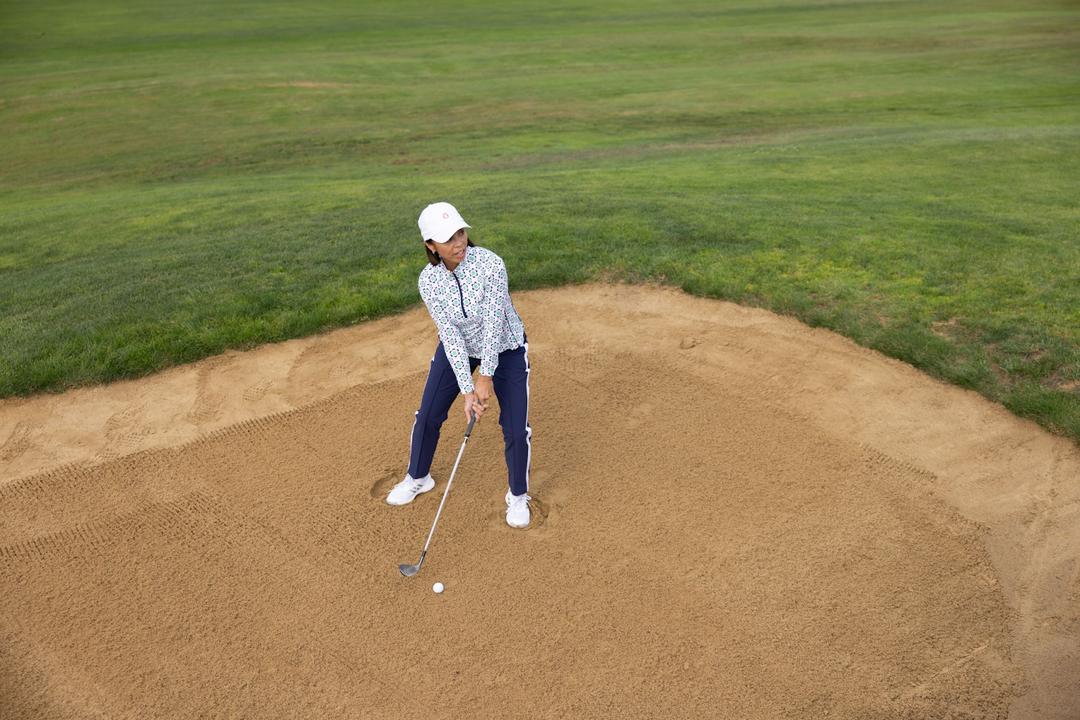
(181, 179)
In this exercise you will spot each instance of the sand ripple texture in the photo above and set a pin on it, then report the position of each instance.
(736, 516)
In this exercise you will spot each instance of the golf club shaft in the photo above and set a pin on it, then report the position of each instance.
(447, 491)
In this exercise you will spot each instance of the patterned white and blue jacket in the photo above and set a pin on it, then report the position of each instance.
(471, 306)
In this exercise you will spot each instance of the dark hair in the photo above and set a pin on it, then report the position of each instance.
(434, 258)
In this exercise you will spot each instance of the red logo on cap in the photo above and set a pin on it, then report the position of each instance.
(446, 216)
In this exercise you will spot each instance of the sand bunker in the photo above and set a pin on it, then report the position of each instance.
(736, 516)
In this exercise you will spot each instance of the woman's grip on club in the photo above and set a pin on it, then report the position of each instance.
(468, 431)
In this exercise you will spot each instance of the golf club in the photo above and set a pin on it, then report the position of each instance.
(410, 570)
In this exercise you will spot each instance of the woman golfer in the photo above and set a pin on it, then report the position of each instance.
(465, 290)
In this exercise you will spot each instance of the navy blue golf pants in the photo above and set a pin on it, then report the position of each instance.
(511, 381)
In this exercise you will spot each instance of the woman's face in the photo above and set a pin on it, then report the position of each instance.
(452, 251)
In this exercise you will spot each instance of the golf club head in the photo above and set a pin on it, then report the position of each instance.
(408, 570)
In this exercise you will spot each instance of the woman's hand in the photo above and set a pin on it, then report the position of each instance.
(474, 406)
(484, 389)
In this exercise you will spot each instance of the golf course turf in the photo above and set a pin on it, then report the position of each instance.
(180, 180)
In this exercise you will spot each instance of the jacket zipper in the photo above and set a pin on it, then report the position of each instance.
(461, 295)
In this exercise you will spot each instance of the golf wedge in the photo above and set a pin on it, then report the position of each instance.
(410, 570)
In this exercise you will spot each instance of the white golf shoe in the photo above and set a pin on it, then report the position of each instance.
(517, 510)
(406, 490)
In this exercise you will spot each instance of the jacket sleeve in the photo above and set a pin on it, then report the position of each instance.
(453, 341)
(496, 297)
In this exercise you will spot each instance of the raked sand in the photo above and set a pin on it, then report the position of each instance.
(735, 516)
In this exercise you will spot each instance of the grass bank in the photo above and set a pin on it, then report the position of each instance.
(180, 180)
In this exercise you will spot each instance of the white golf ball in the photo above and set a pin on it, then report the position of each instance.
(438, 587)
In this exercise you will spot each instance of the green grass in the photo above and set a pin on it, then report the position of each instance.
(178, 179)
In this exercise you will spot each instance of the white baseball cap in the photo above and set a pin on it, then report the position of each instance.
(440, 221)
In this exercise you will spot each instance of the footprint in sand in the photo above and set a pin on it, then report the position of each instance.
(258, 391)
(207, 405)
(206, 409)
(123, 418)
(18, 442)
(338, 372)
(381, 487)
(123, 433)
(120, 444)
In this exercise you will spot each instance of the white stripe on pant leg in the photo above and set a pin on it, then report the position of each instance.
(416, 419)
(528, 430)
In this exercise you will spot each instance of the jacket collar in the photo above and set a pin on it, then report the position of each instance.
(468, 256)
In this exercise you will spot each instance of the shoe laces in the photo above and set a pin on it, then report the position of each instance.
(411, 484)
(516, 501)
